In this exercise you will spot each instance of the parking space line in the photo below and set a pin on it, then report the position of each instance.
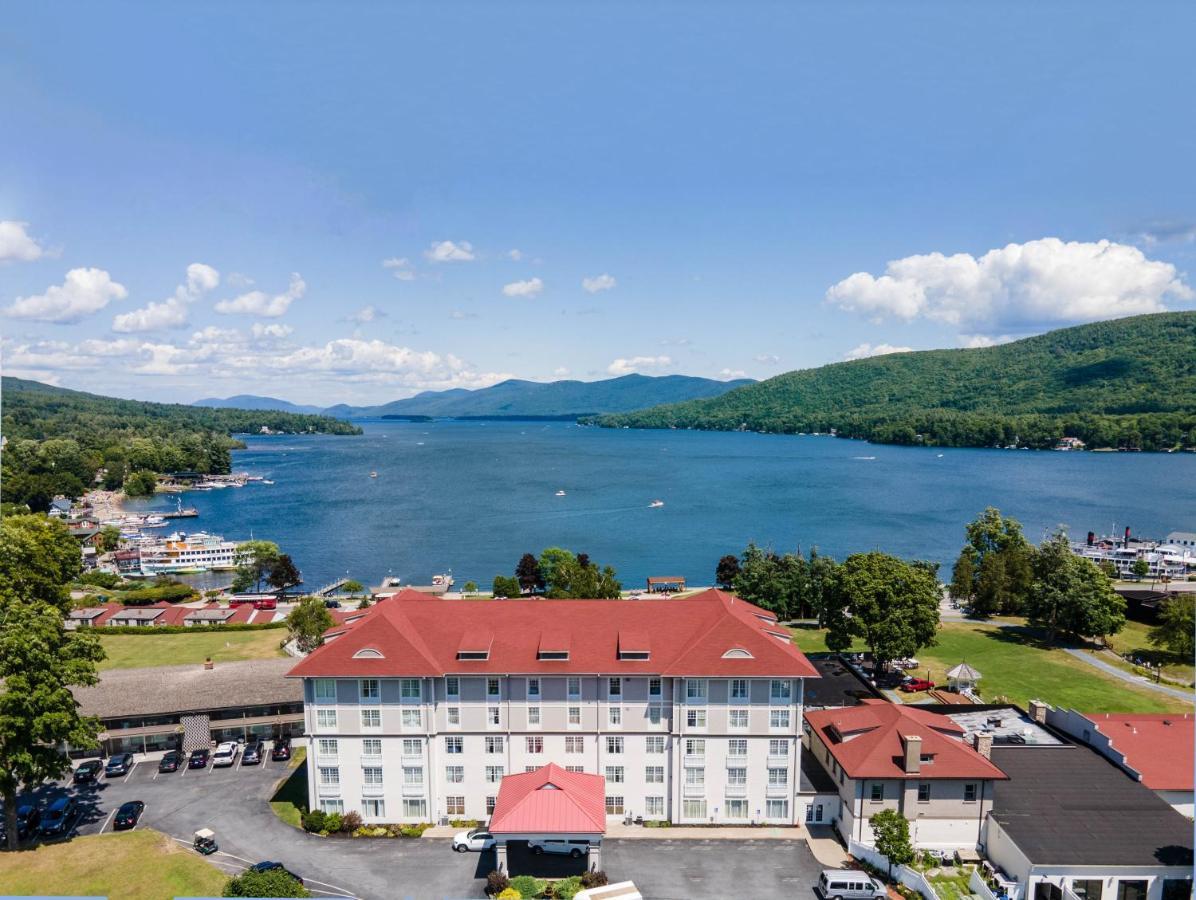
(132, 770)
(106, 821)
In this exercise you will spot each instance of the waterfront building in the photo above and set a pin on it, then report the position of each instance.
(690, 709)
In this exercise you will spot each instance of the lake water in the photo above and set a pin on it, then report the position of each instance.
(473, 496)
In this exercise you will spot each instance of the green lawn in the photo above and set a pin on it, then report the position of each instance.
(1134, 639)
(290, 799)
(126, 651)
(813, 640)
(132, 865)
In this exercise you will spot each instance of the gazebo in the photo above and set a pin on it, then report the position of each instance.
(962, 678)
(550, 804)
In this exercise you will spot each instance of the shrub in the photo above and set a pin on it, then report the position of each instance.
(414, 831)
(656, 823)
(596, 878)
(464, 823)
(315, 821)
(350, 821)
(332, 822)
(271, 883)
(496, 883)
(528, 886)
(566, 888)
(510, 894)
(107, 580)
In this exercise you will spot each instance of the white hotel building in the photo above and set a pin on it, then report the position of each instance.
(690, 708)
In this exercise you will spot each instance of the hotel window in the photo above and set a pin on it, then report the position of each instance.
(454, 715)
(695, 718)
(878, 791)
(614, 774)
(535, 744)
(413, 718)
(614, 744)
(778, 747)
(778, 777)
(575, 768)
(1091, 889)
(326, 718)
(695, 690)
(654, 774)
(454, 806)
(533, 715)
(574, 688)
(694, 809)
(575, 745)
(494, 774)
(654, 744)
(615, 716)
(454, 774)
(325, 690)
(738, 718)
(330, 776)
(493, 716)
(533, 687)
(778, 718)
(776, 809)
(737, 809)
(654, 807)
(737, 776)
(614, 687)
(413, 747)
(411, 775)
(924, 792)
(1128, 889)
(655, 714)
(370, 689)
(574, 716)
(372, 775)
(653, 687)
(739, 688)
(490, 801)
(969, 793)
(614, 806)
(695, 776)
(410, 689)
(371, 747)
(415, 809)
(326, 747)
(371, 718)
(695, 747)
(527, 770)
(494, 745)
(452, 686)
(737, 747)
(331, 806)
(780, 690)
(453, 745)
(491, 687)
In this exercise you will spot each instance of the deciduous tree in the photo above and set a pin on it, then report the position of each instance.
(1070, 594)
(726, 571)
(999, 564)
(284, 573)
(528, 574)
(891, 832)
(1176, 629)
(307, 623)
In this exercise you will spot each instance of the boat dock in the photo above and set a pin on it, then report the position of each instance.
(329, 589)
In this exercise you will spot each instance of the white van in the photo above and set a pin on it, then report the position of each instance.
(849, 884)
(576, 849)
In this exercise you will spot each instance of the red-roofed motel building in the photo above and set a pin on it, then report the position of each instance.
(690, 709)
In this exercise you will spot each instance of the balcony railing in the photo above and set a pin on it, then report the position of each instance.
(776, 790)
(372, 790)
(693, 790)
(736, 790)
(413, 790)
(737, 762)
(693, 759)
(777, 762)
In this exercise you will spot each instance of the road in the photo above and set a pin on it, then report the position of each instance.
(1130, 677)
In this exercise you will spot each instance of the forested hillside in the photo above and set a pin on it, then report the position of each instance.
(1128, 383)
(57, 440)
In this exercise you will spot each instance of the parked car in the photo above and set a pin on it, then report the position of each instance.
(253, 753)
(128, 814)
(88, 772)
(475, 839)
(199, 758)
(282, 749)
(225, 755)
(576, 849)
(118, 764)
(28, 818)
(848, 884)
(916, 684)
(265, 603)
(170, 761)
(268, 866)
(59, 818)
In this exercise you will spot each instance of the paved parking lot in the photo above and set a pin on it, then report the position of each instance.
(234, 803)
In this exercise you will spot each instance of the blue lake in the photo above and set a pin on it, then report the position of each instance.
(473, 496)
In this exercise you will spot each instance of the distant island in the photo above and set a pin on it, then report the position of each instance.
(517, 398)
(1127, 384)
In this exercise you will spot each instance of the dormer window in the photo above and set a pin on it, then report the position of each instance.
(784, 638)
(368, 653)
(634, 655)
(473, 655)
(554, 645)
(737, 653)
(634, 646)
(552, 655)
(475, 645)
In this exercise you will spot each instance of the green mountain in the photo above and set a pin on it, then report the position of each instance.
(252, 401)
(1128, 383)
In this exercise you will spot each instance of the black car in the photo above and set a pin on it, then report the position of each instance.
(60, 818)
(332, 604)
(282, 750)
(118, 764)
(88, 772)
(268, 866)
(128, 814)
(169, 761)
(28, 818)
(199, 758)
(253, 753)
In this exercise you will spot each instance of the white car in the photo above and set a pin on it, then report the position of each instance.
(225, 755)
(576, 849)
(475, 839)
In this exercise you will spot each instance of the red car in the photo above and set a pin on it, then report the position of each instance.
(265, 603)
(916, 684)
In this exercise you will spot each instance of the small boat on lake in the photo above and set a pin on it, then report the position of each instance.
(656, 504)
(560, 493)
(373, 474)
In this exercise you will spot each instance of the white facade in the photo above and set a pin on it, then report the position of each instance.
(689, 750)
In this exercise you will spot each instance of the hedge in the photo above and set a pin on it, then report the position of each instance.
(186, 629)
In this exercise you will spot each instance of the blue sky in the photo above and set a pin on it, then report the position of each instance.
(743, 175)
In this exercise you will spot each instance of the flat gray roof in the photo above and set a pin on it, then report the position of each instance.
(140, 614)
(164, 690)
(1007, 726)
(214, 615)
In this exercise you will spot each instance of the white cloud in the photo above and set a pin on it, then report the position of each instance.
(627, 365)
(15, 243)
(529, 288)
(367, 314)
(598, 283)
(732, 373)
(863, 351)
(448, 251)
(1018, 287)
(275, 331)
(985, 340)
(259, 303)
(85, 291)
(1165, 232)
(768, 358)
(172, 312)
(515, 254)
(460, 315)
(400, 267)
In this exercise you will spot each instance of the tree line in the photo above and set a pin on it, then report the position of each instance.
(559, 574)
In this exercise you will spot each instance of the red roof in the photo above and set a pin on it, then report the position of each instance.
(1158, 746)
(550, 800)
(421, 636)
(866, 742)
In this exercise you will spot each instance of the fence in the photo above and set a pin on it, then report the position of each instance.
(904, 874)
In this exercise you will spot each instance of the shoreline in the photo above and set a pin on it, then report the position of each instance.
(106, 504)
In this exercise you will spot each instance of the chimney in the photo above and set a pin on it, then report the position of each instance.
(912, 745)
(1127, 535)
(1091, 538)
(1038, 711)
(208, 664)
(983, 744)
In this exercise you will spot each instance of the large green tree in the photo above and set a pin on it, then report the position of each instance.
(993, 572)
(787, 584)
(284, 573)
(890, 604)
(1070, 594)
(256, 560)
(528, 573)
(891, 831)
(40, 660)
(1176, 628)
(307, 623)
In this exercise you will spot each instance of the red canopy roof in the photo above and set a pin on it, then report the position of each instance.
(550, 800)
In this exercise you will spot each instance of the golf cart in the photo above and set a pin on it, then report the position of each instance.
(205, 841)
